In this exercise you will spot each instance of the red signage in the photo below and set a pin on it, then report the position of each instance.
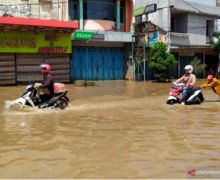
(52, 49)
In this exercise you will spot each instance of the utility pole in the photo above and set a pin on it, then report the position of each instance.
(139, 46)
(169, 27)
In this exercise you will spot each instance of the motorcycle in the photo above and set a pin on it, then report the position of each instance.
(175, 95)
(31, 98)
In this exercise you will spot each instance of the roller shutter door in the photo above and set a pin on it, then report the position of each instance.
(28, 67)
(7, 69)
(97, 63)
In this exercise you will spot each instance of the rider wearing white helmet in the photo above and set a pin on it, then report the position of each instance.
(189, 80)
(189, 68)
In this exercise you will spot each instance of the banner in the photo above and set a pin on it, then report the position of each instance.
(154, 37)
(29, 42)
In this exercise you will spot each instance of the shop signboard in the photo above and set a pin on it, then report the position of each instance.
(29, 42)
(98, 37)
(83, 35)
(153, 37)
(150, 8)
(86, 36)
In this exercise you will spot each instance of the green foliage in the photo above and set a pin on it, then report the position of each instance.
(161, 61)
(215, 42)
(198, 67)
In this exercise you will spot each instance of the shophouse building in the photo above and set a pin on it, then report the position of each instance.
(31, 33)
(188, 28)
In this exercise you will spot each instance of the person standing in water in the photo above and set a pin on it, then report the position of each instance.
(214, 83)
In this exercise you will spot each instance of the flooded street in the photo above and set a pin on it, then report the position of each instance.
(116, 129)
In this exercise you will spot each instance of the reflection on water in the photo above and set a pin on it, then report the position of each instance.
(113, 130)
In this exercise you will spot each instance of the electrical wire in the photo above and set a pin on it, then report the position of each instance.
(192, 6)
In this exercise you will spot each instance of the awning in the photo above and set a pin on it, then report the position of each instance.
(17, 23)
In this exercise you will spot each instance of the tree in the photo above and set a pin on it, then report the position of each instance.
(215, 43)
(198, 67)
(161, 61)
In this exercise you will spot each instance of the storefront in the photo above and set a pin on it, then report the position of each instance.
(7, 69)
(23, 50)
(97, 63)
(96, 57)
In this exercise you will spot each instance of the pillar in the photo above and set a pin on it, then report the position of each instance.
(81, 14)
(118, 23)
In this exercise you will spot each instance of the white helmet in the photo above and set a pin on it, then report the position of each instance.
(189, 67)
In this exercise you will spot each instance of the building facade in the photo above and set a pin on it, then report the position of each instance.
(39, 9)
(206, 2)
(32, 34)
(101, 46)
(99, 49)
(188, 27)
(217, 22)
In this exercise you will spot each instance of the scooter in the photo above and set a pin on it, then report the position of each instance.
(30, 98)
(175, 95)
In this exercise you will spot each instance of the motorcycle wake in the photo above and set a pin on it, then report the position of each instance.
(30, 101)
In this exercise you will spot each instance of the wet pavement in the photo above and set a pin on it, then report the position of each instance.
(116, 129)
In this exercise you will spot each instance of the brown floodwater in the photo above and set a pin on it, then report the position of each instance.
(116, 129)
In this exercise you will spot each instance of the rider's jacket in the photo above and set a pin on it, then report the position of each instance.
(214, 84)
(48, 83)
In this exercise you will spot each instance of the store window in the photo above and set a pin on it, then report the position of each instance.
(96, 9)
(99, 9)
(73, 9)
(122, 7)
